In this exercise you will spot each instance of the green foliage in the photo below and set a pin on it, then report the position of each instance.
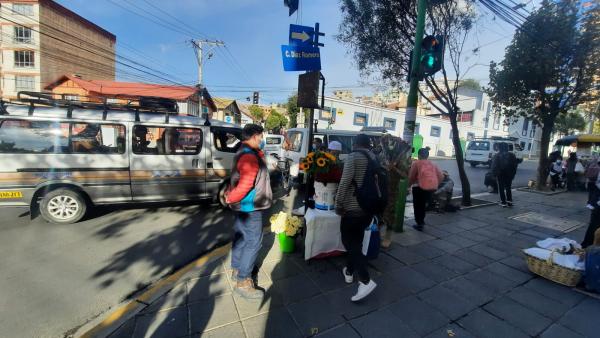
(568, 123)
(470, 84)
(293, 110)
(257, 113)
(276, 121)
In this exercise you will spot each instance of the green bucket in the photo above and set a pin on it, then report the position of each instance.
(287, 244)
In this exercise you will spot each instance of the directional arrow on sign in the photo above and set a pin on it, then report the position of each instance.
(300, 36)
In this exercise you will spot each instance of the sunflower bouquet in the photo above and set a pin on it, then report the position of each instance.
(321, 164)
(285, 223)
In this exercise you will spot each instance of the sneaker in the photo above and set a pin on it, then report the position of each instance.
(418, 227)
(504, 205)
(234, 275)
(348, 278)
(247, 290)
(510, 204)
(364, 290)
(589, 206)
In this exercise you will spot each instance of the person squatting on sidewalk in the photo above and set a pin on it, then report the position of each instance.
(504, 167)
(354, 219)
(424, 177)
(249, 194)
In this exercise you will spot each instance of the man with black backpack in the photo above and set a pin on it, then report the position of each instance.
(504, 167)
(362, 194)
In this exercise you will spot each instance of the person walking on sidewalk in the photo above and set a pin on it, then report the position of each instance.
(355, 220)
(249, 195)
(591, 174)
(504, 167)
(424, 177)
(571, 172)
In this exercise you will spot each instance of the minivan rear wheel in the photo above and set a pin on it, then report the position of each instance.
(473, 164)
(63, 206)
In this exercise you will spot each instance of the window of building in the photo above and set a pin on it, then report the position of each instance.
(93, 138)
(389, 123)
(529, 146)
(25, 83)
(227, 140)
(435, 131)
(39, 137)
(532, 131)
(470, 136)
(72, 97)
(497, 121)
(488, 113)
(166, 141)
(22, 34)
(525, 127)
(24, 58)
(327, 114)
(361, 119)
(23, 9)
(417, 127)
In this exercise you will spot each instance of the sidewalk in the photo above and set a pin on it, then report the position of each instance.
(463, 277)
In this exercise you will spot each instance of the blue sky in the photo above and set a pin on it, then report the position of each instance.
(253, 31)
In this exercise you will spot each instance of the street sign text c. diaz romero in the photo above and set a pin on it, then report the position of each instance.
(300, 58)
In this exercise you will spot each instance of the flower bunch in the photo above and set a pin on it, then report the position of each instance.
(318, 162)
(285, 223)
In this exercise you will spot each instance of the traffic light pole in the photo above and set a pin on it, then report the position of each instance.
(411, 107)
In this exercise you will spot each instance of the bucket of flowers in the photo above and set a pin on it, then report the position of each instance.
(286, 227)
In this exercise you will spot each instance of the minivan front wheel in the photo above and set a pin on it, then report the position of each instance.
(63, 206)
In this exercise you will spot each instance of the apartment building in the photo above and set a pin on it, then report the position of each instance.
(42, 40)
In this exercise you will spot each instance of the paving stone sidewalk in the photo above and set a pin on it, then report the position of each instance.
(464, 276)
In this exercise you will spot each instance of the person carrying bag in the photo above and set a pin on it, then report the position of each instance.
(424, 177)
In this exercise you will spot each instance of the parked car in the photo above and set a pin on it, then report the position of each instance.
(481, 151)
(63, 160)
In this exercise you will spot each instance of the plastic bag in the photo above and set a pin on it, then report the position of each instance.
(372, 240)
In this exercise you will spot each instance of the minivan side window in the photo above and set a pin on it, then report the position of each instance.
(95, 138)
(228, 141)
(149, 140)
(37, 137)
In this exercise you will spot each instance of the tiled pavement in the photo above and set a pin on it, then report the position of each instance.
(463, 277)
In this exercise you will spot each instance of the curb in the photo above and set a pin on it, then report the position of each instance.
(103, 326)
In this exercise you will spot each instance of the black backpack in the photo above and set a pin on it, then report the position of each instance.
(372, 195)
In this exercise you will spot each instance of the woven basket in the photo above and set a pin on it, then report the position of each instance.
(554, 272)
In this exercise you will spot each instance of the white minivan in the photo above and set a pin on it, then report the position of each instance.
(481, 151)
(298, 147)
(61, 160)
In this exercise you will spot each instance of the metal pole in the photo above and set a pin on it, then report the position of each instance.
(411, 107)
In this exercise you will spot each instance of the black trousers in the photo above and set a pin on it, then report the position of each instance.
(353, 231)
(571, 181)
(504, 188)
(592, 193)
(592, 227)
(420, 199)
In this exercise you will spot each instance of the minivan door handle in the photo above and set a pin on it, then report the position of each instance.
(218, 158)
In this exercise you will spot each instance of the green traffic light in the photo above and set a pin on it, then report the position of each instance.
(430, 61)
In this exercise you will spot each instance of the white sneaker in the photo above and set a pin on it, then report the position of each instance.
(349, 278)
(589, 206)
(364, 290)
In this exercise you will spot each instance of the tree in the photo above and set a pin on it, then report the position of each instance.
(381, 36)
(567, 124)
(548, 69)
(276, 121)
(257, 113)
(293, 110)
(469, 83)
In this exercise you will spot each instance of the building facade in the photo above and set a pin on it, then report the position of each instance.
(42, 40)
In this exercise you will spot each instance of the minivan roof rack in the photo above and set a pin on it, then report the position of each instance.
(148, 104)
(375, 129)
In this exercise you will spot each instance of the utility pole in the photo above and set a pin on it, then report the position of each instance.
(411, 108)
(198, 44)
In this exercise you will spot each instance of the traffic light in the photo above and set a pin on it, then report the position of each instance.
(432, 55)
(255, 98)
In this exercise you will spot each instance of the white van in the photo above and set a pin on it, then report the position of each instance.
(63, 160)
(298, 147)
(481, 151)
(274, 144)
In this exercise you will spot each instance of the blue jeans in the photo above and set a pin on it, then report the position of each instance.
(247, 241)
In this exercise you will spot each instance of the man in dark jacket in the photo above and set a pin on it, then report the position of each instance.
(504, 167)
(249, 195)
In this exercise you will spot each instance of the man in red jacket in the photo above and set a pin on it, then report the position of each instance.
(249, 194)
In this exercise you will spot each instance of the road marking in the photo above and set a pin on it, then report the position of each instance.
(121, 314)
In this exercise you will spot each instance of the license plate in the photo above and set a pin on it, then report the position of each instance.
(11, 194)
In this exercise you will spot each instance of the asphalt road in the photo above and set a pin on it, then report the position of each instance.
(56, 277)
(525, 172)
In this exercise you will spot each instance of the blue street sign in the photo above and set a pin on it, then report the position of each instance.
(228, 119)
(301, 35)
(298, 58)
